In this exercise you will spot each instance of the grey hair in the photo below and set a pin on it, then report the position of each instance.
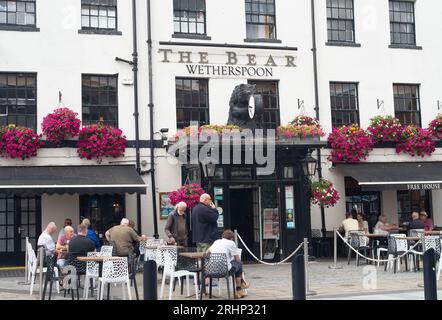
(82, 228)
(86, 222)
(67, 228)
(204, 196)
(51, 225)
(124, 222)
(181, 204)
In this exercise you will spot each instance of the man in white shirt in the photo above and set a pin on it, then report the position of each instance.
(46, 240)
(349, 224)
(228, 246)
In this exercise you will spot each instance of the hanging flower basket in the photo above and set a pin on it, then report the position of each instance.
(416, 142)
(435, 127)
(323, 193)
(301, 128)
(100, 141)
(349, 144)
(60, 125)
(19, 142)
(385, 129)
(189, 193)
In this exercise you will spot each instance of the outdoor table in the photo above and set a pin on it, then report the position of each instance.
(410, 238)
(427, 233)
(200, 256)
(99, 260)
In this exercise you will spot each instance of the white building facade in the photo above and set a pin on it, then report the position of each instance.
(201, 49)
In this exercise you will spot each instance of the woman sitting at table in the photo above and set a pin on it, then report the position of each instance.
(383, 227)
(363, 224)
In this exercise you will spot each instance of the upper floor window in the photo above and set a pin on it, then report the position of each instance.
(18, 99)
(21, 12)
(192, 101)
(100, 99)
(260, 19)
(189, 16)
(270, 118)
(99, 14)
(344, 103)
(340, 21)
(402, 30)
(407, 104)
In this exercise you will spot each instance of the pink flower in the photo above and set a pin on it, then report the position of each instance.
(61, 124)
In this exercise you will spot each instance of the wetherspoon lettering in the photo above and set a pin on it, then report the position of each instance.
(424, 186)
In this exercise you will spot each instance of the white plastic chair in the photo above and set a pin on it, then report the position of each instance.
(106, 251)
(150, 254)
(434, 242)
(170, 261)
(33, 270)
(91, 272)
(115, 271)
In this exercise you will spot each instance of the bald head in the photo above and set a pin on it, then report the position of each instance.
(51, 227)
(124, 222)
(205, 198)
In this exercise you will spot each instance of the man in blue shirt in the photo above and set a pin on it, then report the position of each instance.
(91, 234)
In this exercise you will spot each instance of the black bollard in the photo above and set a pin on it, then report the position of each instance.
(430, 287)
(150, 280)
(298, 278)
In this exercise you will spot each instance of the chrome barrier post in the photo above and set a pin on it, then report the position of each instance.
(308, 292)
(335, 248)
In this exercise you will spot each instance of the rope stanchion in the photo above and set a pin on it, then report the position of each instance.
(269, 263)
(335, 248)
(378, 260)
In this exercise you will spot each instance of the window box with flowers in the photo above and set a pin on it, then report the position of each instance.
(189, 193)
(349, 144)
(60, 125)
(385, 129)
(302, 129)
(416, 142)
(19, 142)
(324, 194)
(100, 141)
(435, 127)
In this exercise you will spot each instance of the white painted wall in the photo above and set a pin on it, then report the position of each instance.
(56, 208)
(389, 206)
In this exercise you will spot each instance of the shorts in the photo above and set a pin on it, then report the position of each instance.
(236, 268)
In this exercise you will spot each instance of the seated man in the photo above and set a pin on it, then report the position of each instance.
(228, 246)
(383, 227)
(349, 224)
(124, 237)
(45, 239)
(63, 245)
(416, 223)
(80, 245)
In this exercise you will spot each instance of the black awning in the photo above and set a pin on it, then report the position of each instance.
(71, 180)
(395, 176)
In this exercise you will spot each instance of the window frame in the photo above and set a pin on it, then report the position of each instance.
(330, 39)
(418, 99)
(275, 37)
(196, 34)
(25, 74)
(392, 33)
(83, 28)
(12, 25)
(106, 122)
(278, 110)
(332, 109)
(206, 109)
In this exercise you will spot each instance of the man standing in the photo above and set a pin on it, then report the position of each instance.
(46, 240)
(91, 234)
(123, 236)
(176, 229)
(204, 223)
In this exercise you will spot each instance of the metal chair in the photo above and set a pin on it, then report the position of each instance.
(52, 275)
(396, 247)
(216, 267)
(360, 243)
(133, 261)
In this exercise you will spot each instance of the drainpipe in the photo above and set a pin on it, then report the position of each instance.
(315, 73)
(151, 106)
(136, 114)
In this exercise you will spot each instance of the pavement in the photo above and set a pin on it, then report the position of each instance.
(274, 282)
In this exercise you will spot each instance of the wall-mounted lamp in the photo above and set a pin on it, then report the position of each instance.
(380, 104)
(300, 104)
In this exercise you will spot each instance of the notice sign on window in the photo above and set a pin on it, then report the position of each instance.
(289, 207)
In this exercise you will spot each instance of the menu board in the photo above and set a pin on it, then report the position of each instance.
(289, 207)
(271, 223)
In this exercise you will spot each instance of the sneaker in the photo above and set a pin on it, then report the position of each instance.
(245, 285)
